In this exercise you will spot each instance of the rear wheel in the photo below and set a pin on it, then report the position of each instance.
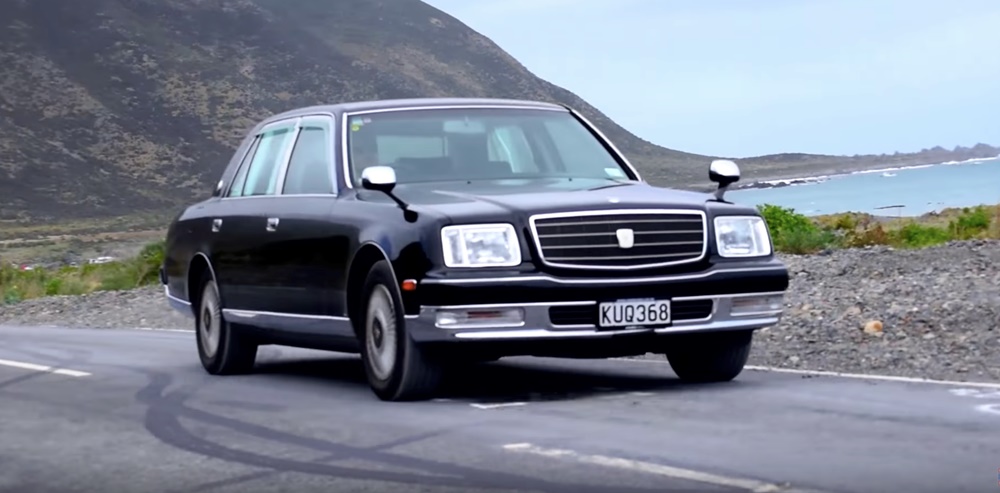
(223, 350)
(709, 357)
(397, 368)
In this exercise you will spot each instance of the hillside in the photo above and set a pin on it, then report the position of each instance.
(110, 107)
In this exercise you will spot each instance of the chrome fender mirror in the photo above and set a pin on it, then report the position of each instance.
(725, 173)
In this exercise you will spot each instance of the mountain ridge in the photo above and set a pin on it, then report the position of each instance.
(109, 107)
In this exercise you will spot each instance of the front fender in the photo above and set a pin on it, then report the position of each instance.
(404, 247)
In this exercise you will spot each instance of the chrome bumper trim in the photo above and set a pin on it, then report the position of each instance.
(184, 307)
(537, 324)
(527, 278)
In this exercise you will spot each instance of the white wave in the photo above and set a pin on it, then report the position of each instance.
(808, 180)
(811, 180)
(973, 160)
(920, 166)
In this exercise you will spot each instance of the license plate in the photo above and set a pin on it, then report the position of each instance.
(625, 313)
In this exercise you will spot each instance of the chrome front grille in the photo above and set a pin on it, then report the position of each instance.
(620, 239)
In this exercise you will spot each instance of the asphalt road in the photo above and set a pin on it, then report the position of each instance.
(132, 411)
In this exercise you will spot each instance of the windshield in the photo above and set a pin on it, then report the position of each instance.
(478, 144)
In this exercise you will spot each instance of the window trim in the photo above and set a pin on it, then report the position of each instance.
(283, 158)
(244, 162)
(331, 129)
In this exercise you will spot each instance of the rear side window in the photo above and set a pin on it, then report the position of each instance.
(309, 168)
(241, 173)
(261, 177)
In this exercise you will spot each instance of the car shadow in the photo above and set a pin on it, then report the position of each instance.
(506, 381)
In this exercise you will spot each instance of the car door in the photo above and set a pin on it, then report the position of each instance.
(241, 227)
(305, 244)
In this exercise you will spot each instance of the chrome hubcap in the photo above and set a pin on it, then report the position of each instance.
(210, 327)
(380, 325)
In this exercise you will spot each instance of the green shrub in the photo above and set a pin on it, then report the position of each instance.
(971, 223)
(916, 235)
(17, 285)
(792, 232)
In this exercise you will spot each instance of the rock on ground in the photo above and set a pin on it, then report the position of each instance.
(930, 313)
(144, 308)
(938, 310)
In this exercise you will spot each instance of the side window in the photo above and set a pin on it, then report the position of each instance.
(262, 176)
(241, 173)
(311, 163)
(512, 144)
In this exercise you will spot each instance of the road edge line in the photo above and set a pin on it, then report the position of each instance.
(43, 368)
(856, 376)
(752, 485)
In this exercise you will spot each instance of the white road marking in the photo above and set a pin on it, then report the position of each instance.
(887, 378)
(752, 485)
(989, 408)
(43, 368)
(859, 376)
(151, 329)
(976, 393)
(498, 406)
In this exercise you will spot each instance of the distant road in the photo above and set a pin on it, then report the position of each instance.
(129, 410)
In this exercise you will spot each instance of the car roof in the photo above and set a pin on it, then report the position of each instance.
(388, 104)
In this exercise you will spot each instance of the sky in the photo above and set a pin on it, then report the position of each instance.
(746, 78)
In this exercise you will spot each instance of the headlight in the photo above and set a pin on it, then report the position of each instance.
(742, 236)
(480, 245)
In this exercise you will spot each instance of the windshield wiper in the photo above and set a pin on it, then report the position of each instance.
(612, 185)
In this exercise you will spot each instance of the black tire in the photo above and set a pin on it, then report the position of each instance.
(396, 367)
(234, 352)
(710, 357)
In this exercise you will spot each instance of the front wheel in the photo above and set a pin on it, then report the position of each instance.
(223, 350)
(396, 367)
(709, 357)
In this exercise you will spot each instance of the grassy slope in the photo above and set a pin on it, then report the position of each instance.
(792, 233)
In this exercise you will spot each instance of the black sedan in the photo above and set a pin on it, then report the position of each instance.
(429, 233)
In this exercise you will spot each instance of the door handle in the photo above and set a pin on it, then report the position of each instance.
(272, 224)
(216, 225)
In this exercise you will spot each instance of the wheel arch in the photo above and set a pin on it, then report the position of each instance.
(368, 254)
(199, 265)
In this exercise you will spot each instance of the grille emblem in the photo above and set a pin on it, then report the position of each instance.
(626, 238)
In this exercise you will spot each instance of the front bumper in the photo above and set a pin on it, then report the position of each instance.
(541, 307)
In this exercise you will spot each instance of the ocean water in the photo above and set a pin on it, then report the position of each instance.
(910, 191)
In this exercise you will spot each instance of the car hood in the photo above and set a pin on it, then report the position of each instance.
(507, 198)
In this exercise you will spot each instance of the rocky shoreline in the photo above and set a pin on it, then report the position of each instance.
(930, 313)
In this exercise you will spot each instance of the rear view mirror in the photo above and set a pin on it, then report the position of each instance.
(380, 178)
(464, 127)
(383, 179)
(218, 189)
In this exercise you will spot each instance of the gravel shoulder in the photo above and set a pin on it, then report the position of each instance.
(938, 310)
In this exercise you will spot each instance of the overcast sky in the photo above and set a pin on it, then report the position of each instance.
(745, 78)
